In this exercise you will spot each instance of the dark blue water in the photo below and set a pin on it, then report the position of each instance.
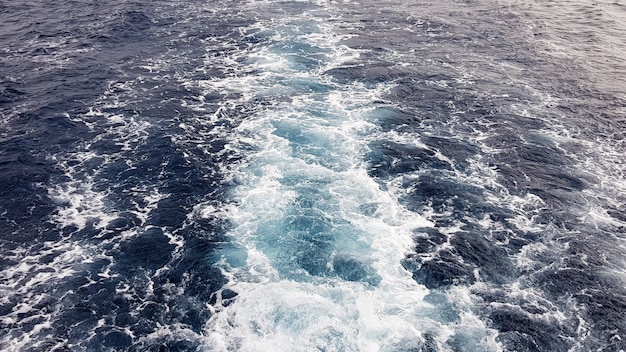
(312, 176)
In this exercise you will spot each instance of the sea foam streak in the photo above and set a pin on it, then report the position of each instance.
(319, 244)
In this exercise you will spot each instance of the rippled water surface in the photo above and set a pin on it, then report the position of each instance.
(313, 175)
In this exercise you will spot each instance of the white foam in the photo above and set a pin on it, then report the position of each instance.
(279, 305)
(302, 316)
(26, 283)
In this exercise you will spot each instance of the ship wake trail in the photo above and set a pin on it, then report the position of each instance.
(317, 244)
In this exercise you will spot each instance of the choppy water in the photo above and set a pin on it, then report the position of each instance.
(313, 175)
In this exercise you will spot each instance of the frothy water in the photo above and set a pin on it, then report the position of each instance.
(313, 175)
(317, 245)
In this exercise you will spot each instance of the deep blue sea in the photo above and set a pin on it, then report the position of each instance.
(293, 175)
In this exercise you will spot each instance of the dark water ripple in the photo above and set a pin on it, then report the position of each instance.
(505, 79)
(74, 122)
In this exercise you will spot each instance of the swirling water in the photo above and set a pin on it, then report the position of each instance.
(312, 175)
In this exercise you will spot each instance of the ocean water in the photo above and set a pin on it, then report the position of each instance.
(274, 175)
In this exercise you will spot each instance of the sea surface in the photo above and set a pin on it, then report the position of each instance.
(281, 175)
